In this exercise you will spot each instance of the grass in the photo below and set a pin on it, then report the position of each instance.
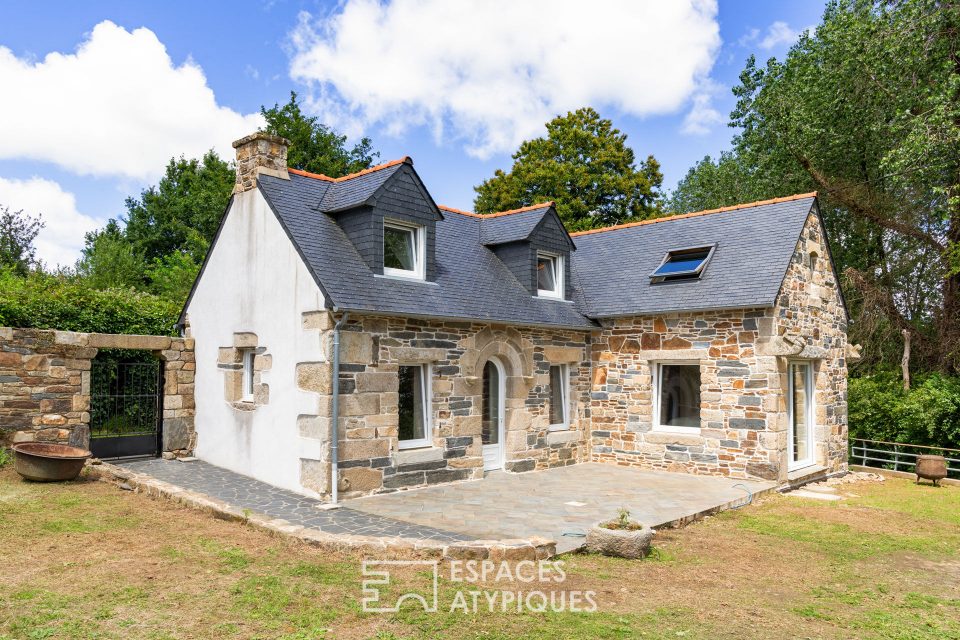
(84, 560)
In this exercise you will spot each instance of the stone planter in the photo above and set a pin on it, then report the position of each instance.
(622, 543)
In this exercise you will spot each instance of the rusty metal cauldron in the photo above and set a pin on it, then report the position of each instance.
(48, 462)
(931, 468)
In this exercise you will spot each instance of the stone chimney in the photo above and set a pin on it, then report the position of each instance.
(260, 153)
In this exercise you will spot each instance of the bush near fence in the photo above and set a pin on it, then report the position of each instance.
(929, 414)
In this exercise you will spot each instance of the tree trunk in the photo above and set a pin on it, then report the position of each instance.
(905, 363)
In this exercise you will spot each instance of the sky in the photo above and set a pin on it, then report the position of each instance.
(97, 96)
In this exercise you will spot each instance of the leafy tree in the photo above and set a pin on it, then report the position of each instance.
(182, 212)
(314, 147)
(172, 276)
(110, 260)
(18, 230)
(585, 166)
(867, 111)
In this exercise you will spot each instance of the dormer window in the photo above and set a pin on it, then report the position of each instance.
(549, 275)
(683, 264)
(404, 252)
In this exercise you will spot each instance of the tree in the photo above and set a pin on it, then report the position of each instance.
(182, 212)
(585, 167)
(866, 110)
(18, 230)
(314, 147)
(110, 260)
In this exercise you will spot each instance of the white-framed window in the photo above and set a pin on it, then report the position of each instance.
(549, 275)
(404, 252)
(676, 396)
(683, 264)
(559, 393)
(415, 406)
(248, 357)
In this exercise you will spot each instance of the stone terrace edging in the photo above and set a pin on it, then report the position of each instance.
(508, 549)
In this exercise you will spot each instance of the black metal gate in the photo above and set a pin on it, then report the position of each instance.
(126, 408)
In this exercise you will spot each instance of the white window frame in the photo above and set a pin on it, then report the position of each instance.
(557, 276)
(658, 385)
(565, 397)
(426, 388)
(692, 274)
(248, 357)
(419, 250)
(811, 413)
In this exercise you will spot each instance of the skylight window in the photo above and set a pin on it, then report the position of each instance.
(683, 264)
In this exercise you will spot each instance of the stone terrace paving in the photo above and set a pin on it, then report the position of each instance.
(559, 504)
(247, 493)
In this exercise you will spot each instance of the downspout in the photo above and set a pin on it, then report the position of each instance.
(335, 408)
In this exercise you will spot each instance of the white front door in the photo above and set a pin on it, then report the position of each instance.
(800, 413)
(492, 412)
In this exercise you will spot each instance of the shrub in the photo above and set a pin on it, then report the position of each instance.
(928, 414)
(61, 301)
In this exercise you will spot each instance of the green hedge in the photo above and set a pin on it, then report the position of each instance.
(928, 414)
(56, 301)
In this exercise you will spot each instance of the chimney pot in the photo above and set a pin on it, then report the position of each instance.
(260, 153)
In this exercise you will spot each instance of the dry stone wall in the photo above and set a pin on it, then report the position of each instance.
(45, 385)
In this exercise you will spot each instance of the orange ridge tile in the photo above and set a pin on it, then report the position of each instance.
(694, 214)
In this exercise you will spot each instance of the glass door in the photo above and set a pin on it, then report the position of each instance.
(800, 415)
(492, 411)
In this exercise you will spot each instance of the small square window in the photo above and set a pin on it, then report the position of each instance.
(559, 408)
(682, 264)
(414, 406)
(678, 396)
(403, 250)
(549, 275)
(247, 390)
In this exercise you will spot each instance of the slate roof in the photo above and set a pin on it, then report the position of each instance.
(754, 246)
(511, 226)
(471, 281)
(610, 268)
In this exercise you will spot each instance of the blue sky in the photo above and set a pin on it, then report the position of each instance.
(454, 85)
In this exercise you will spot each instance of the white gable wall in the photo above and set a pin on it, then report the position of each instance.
(255, 281)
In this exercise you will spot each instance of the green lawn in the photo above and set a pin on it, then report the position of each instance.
(86, 560)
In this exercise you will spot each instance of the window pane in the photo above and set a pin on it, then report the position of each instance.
(680, 395)
(411, 403)
(399, 249)
(801, 427)
(546, 273)
(490, 428)
(557, 400)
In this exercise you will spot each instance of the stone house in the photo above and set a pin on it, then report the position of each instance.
(353, 328)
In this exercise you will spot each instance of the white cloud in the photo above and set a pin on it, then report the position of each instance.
(61, 240)
(491, 72)
(777, 34)
(702, 116)
(119, 106)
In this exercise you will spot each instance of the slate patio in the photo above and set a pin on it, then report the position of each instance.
(558, 504)
(562, 503)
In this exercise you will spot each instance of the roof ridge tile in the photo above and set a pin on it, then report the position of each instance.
(694, 214)
(350, 176)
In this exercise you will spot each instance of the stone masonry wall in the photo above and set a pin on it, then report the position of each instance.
(743, 357)
(372, 349)
(810, 314)
(45, 385)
